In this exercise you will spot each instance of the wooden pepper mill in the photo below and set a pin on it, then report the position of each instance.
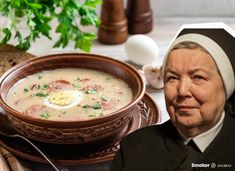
(140, 16)
(113, 28)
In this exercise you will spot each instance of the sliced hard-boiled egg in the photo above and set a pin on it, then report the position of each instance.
(63, 99)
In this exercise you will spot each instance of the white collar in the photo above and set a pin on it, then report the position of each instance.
(204, 139)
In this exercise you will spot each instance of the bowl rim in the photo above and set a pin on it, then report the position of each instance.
(69, 124)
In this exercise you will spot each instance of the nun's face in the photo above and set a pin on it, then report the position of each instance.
(194, 91)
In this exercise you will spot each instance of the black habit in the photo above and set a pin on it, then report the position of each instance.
(160, 148)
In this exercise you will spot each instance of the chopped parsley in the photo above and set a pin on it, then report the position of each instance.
(45, 115)
(92, 116)
(97, 106)
(95, 115)
(104, 98)
(86, 106)
(45, 86)
(91, 91)
(39, 95)
(76, 86)
(26, 90)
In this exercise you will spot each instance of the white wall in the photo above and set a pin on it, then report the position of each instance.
(191, 8)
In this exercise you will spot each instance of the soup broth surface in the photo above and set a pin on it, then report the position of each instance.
(69, 94)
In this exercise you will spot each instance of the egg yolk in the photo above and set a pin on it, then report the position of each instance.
(61, 98)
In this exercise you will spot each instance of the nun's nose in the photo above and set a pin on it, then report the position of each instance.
(184, 88)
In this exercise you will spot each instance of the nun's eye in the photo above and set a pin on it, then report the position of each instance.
(172, 78)
(198, 77)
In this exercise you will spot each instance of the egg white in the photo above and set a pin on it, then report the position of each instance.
(76, 96)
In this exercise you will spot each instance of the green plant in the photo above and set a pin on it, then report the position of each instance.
(71, 16)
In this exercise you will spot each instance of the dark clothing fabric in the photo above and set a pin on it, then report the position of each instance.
(230, 105)
(193, 146)
(160, 148)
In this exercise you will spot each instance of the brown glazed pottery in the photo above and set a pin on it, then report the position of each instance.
(104, 129)
(147, 113)
(140, 16)
(113, 28)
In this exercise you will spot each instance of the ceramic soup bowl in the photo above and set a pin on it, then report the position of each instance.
(107, 128)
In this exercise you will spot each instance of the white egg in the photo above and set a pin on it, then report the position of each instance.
(63, 99)
(141, 49)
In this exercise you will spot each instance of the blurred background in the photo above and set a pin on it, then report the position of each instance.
(192, 8)
(169, 15)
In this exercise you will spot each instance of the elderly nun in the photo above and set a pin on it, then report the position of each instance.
(198, 73)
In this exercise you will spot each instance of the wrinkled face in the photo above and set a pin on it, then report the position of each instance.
(194, 91)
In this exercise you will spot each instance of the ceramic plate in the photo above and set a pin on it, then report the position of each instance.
(146, 113)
